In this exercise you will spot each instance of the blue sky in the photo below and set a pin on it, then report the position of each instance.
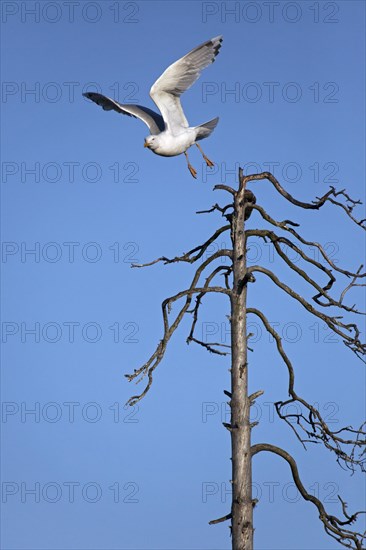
(80, 190)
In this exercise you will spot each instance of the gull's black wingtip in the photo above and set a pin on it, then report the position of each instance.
(216, 42)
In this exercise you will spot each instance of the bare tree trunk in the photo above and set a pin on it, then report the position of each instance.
(242, 508)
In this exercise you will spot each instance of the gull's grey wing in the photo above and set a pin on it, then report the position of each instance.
(177, 78)
(153, 120)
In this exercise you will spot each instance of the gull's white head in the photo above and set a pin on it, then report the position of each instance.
(151, 142)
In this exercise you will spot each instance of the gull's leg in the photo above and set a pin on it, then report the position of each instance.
(208, 161)
(190, 167)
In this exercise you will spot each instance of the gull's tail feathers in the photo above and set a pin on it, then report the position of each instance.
(205, 129)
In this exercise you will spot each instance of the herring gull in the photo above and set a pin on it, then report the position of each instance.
(170, 133)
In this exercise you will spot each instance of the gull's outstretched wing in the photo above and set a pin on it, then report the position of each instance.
(177, 78)
(153, 120)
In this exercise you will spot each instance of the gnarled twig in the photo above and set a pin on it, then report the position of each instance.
(333, 526)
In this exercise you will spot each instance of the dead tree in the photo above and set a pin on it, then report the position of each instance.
(346, 444)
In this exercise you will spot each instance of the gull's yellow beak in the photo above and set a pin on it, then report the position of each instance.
(145, 144)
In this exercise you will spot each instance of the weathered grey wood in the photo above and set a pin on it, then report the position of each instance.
(242, 507)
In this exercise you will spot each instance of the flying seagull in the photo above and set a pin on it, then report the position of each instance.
(170, 133)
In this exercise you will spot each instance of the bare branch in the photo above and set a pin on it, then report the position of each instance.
(220, 520)
(332, 525)
(284, 225)
(187, 256)
(322, 291)
(169, 329)
(210, 346)
(255, 396)
(216, 207)
(352, 284)
(315, 205)
(313, 425)
(225, 188)
(352, 341)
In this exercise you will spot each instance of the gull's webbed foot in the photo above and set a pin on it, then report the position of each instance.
(192, 171)
(207, 160)
(190, 167)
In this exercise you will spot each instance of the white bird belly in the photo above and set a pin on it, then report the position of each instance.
(170, 145)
